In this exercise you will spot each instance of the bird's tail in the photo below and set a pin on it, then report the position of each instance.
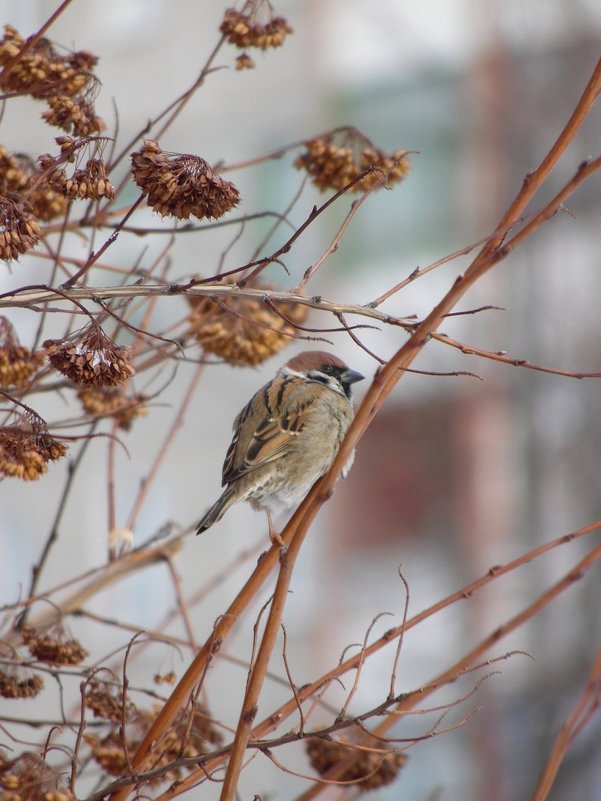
(217, 511)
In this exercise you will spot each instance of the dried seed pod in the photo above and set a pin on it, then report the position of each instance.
(42, 68)
(13, 173)
(74, 115)
(31, 778)
(189, 738)
(180, 185)
(89, 183)
(245, 62)
(244, 29)
(19, 174)
(90, 357)
(19, 230)
(19, 682)
(106, 701)
(370, 769)
(17, 363)
(243, 331)
(113, 403)
(55, 647)
(335, 159)
(26, 447)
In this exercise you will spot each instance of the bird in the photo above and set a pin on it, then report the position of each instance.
(286, 437)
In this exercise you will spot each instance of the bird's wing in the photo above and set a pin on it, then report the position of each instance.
(267, 426)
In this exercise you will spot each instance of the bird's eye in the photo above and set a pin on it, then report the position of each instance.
(327, 368)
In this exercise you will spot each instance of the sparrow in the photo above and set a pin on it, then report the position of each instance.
(287, 436)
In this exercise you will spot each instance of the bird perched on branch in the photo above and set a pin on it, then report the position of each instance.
(287, 436)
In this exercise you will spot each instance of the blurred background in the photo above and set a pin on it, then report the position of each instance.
(456, 474)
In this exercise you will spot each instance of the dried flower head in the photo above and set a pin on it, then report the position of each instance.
(164, 678)
(254, 26)
(243, 331)
(19, 682)
(73, 114)
(31, 778)
(56, 647)
(336, 158)
(185, 738)
(245, 62)
(370, 769)
(42, 70)
(65, 81)
(180, 185)
(113, 403)
(26, 447)
(19, 230)
(18, 174)
(106, 701)
(89, 357)
(13, 172)
(17, 363)
(89, 182)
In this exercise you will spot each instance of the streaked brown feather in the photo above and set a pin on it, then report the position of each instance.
(271, 437)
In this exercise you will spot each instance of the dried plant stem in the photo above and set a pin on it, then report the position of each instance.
(333, 246)
(95, 256)
(259, 669)
(306, 692)
(164, 449)
(107, 575)
(502, 358)
(53, 535)
(26, 296)
(382, 385)
(455, 670)
(587, 704)
(352, 663)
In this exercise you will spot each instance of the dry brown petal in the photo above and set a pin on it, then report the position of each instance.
(18, 455)
(43, 72)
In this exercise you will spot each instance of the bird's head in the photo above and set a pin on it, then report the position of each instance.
(324, 368)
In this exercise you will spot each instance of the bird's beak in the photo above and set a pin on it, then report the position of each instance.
(351, 376)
